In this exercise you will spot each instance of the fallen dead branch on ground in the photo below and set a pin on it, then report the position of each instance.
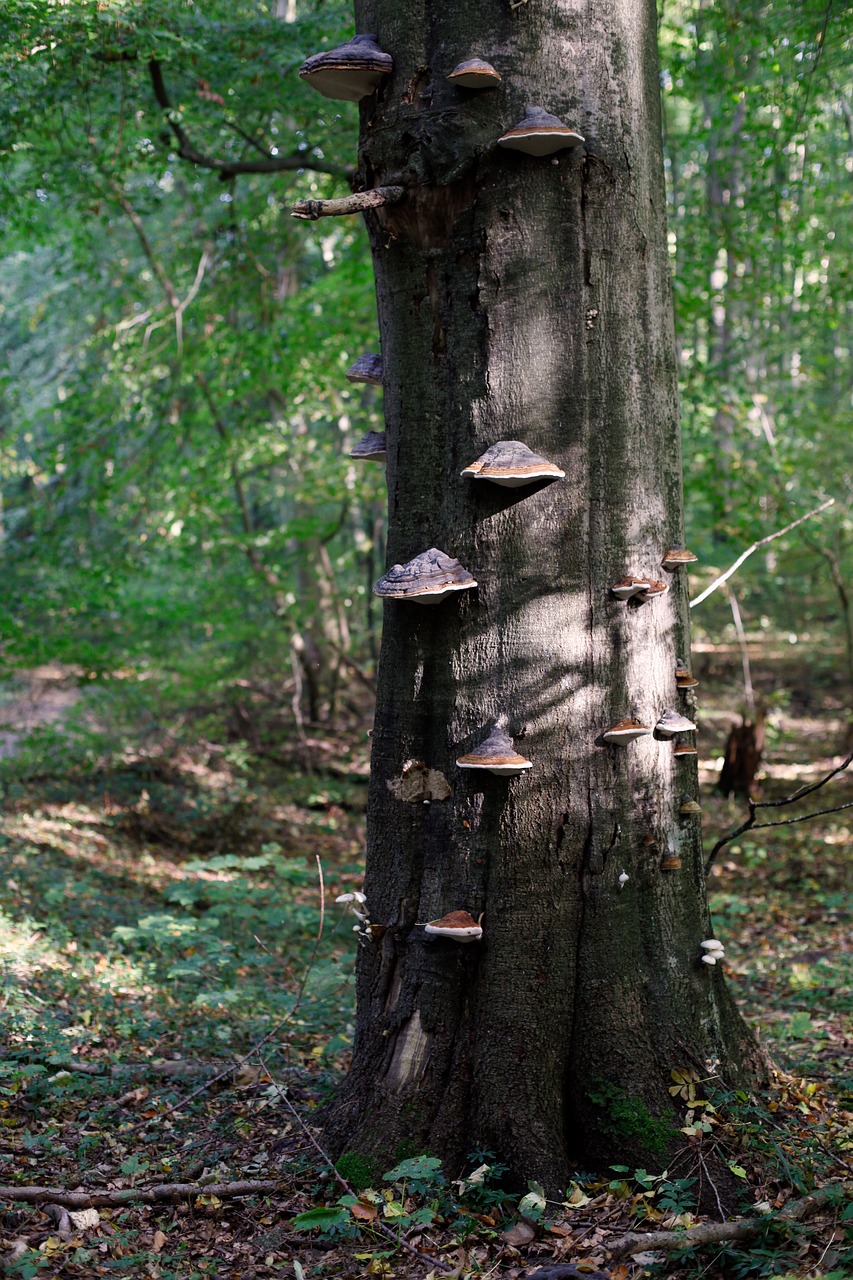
(168, 1193)
(716, 1232)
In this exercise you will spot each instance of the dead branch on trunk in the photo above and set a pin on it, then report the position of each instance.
(311, 210)
(762, 542)
(754, 805)
(168, 1193)
(716, 1232)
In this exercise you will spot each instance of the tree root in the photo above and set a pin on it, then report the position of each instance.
(168, 1193)
(716, 1232)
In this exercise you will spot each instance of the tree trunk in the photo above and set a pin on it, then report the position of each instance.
(529, 299)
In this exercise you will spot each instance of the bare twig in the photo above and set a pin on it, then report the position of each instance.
(397, 1238)
(748, 690)
(232, 168)
(750, 824)
(762, 542)
(356, 203)
(168, 1193)
(715, 1232)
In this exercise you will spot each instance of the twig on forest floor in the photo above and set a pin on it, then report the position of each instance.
(750, 823)
(389, 1234)
(356, 203)
(715, 1232)
(762, 542)
(168, 1193)
(235, 1066)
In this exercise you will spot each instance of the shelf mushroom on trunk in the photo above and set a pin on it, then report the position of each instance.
(459, 926)
(371, 447)
(428, 578)
(367, 368)
(497, 754)
(474, 73)
(540, 134)
(350, 72)
(511, 464)
(671, 723)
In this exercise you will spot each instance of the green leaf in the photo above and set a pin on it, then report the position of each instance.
(325, 1216)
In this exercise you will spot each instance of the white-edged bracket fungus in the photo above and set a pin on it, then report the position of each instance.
(684, 678)
(458, 925)
(511, 464)
(671, 723)
(367, 368)
(627, 588)
(350, 72)
(371, 447)
(540, 134)
(625, 731)
(689, 806)
(652, 589)
(676, 557)
(474, 73)
(497, 754)
(428, 578)
(684, 749)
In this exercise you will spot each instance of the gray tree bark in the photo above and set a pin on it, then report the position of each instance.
(529, 299)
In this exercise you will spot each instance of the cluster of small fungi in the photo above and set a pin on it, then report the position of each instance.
(353, 71)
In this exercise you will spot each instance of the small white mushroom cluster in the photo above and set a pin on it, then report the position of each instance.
(712, 951)
(355, 901)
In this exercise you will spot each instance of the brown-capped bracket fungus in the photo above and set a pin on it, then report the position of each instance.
(627, 588)
(684, 678)
(625, 731)
(370, 448)
(496, 754)
(684, 750)
(675, 557)
(670, 861)
(459, 926)
(689, 806)
(673, 722)
(474, 73)
(430, 577)
(350, 72)
(512, 465)
(367, 368)
(540, 134)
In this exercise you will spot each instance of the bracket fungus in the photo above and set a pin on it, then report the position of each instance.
(677, 556)
(684, 749)
(350, 72)
(497, 754)
(371, 447)
(652, 588)
(540, 134)
(627, 588)
(511, 464)
(367, 368)
(428, 578)
(474, 73)
(689, 805)
(625, 731)
(458, 925)
(670, 861)
(684, 678)
(671, 723)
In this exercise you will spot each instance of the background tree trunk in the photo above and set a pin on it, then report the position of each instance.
(529, 299)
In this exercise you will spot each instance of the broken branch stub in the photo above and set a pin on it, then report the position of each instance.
(358, 202)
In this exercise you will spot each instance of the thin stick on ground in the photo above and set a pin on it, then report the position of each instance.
(762, 542)
(344, 1185)
(235, 1066)
(716, 1232)
(750, 824)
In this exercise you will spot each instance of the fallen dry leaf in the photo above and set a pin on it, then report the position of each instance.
(158, 1242)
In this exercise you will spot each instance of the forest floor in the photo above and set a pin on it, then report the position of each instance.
(159, 917)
